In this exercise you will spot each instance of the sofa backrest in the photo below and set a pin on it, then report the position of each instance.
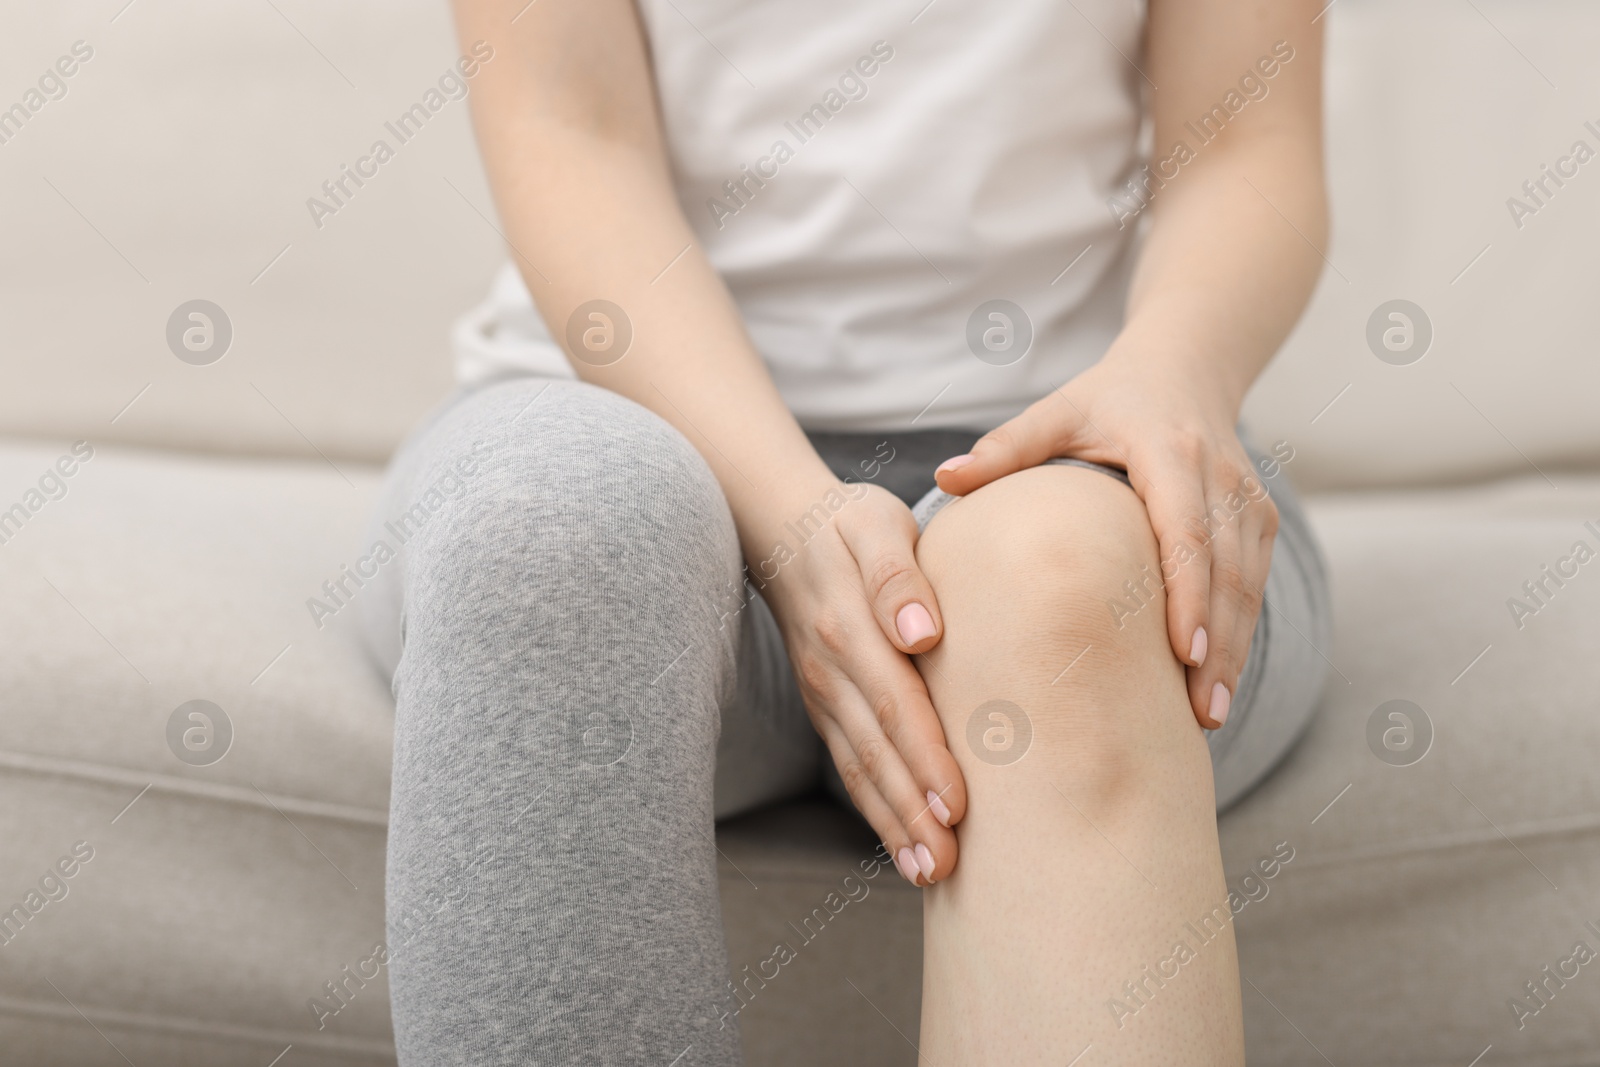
(178, 167)
(178, 164)
(1438, 112)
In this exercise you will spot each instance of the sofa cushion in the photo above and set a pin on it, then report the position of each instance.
(220, 898)
(1423, 895)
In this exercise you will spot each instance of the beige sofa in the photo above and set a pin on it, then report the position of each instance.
(185, 910)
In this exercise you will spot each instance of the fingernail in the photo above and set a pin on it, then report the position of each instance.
(907, 864)
(914, 623)
(1220, 699)
(954, 463)
(925, 862)
(1197, 647)
(937, 806)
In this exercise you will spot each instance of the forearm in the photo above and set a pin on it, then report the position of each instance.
(1230, 260)
(1239, 220)
(568, 130)
(604, 226)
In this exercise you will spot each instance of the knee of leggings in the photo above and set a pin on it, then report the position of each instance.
(582, 509)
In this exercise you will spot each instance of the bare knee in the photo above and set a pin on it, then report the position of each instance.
(1070, 549)
(1049, 584)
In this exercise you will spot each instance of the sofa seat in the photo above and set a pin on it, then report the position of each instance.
(220, 898)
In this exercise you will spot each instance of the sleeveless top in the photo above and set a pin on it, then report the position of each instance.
(919, 207)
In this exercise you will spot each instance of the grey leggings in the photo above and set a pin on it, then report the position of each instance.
(583, 684)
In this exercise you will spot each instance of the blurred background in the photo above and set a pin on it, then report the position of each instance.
(179, 164)
(174, 164)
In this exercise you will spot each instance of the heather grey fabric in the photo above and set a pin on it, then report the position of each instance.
(571, 636)
(583, 683)
(1394, 911)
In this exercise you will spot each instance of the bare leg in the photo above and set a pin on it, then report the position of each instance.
(1087, 862)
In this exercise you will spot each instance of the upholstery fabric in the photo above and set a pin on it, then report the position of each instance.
(1416, 905)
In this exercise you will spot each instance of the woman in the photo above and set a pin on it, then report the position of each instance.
(796, 256)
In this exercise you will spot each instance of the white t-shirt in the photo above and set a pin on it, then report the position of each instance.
(869, 178)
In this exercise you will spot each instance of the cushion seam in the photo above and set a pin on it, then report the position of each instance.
(103, 774)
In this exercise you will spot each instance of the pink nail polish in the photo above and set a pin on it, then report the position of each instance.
(1197, 647)
(907, 862)
(925, 862)
(914, 623)
(955, 463)
(1220, 699)
(937, 806)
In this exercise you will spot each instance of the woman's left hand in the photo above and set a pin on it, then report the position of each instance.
(1174, 432)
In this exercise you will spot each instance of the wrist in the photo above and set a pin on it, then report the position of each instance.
(1215, 386)
(776, 526)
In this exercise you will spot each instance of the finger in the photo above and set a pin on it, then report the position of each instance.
(1238, 578)
(901, 708)
(869, 801)
(907, 718)
(1257, 565)
(1175, 500)
(899, 594)
(885, 763)
(889, 722)
(1260, 570)
(1258, 555)
(1260, 531)
(1045, 429)
(865, 796)
(1212, 684)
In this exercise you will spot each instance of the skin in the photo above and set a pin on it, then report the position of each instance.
(569, 128)
(1082, 860)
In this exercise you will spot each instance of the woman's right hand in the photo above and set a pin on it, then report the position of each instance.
(854, 608)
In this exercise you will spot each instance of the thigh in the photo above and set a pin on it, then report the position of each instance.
(560, 431)
(558, 697)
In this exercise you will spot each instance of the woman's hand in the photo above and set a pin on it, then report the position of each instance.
(853, 608)
(1173, 431)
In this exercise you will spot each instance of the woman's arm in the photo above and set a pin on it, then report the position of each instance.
(1235, 238)
(567, 123)
(1237, 218)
